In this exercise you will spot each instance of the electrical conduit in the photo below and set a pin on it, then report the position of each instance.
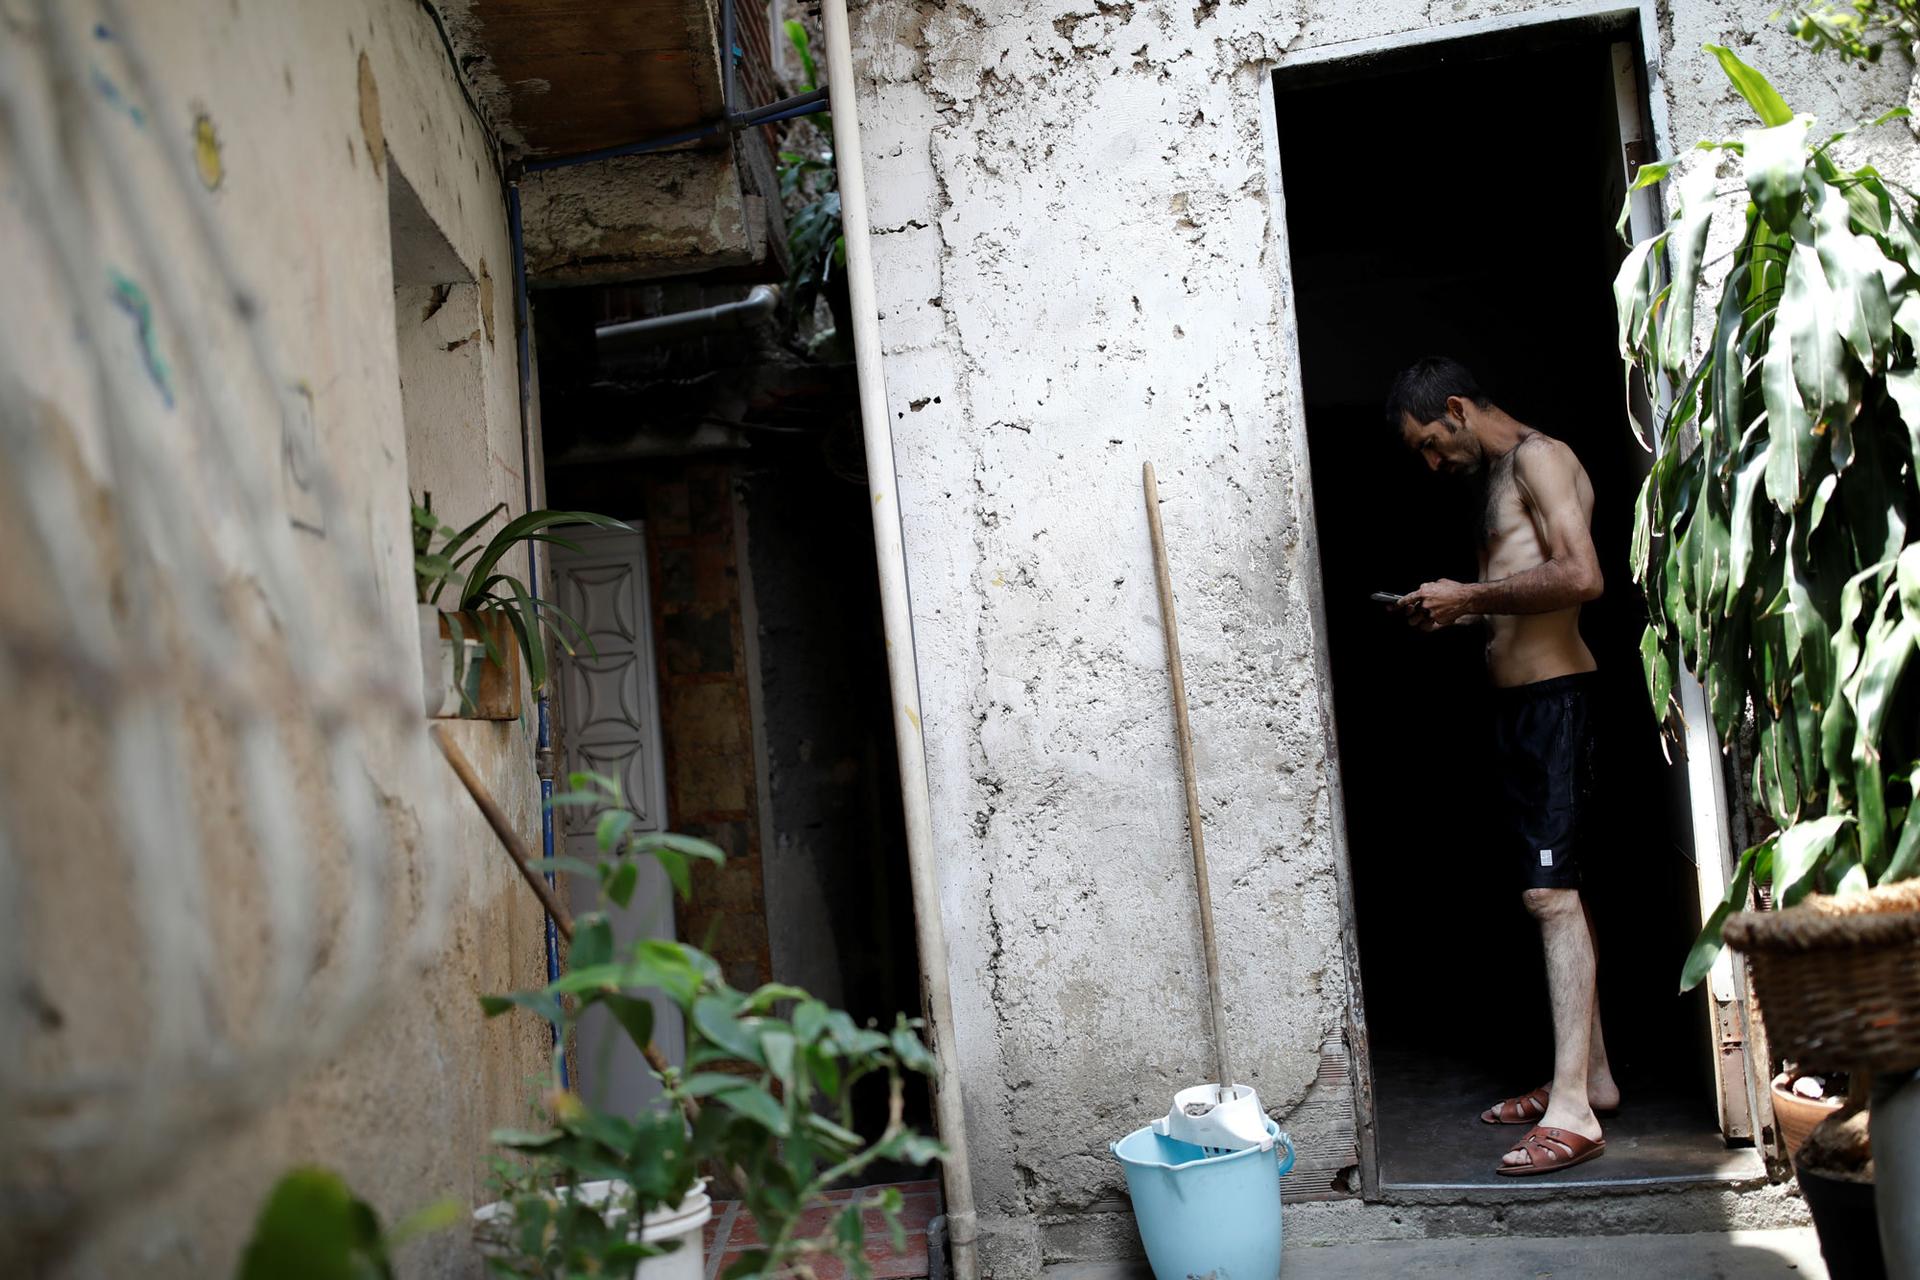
(543, 744)
(897, 617)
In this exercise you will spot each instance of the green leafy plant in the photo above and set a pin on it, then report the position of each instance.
(444, 557)
(1773, 535)
(1860, 30)
(810, 190)
(312, 1227)
(764, 1095)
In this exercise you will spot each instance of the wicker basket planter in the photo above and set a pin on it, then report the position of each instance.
(1839, 978)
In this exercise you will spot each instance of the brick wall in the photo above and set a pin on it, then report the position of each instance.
(704, 710)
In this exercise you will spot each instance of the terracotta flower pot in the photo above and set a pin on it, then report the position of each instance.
(1797, 1115)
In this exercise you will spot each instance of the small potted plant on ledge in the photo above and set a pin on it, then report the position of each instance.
(471, 653)
(1774, 539)
(764, 1100)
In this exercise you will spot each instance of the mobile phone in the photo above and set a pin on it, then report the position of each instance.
(1385, 597)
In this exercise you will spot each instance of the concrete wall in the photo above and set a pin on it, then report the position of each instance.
(1082, 266)
(305, 109)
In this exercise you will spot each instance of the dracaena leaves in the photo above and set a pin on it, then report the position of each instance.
(1775, 163)
(1772, 535)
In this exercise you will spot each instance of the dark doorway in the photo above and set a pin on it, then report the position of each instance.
(1460, 200)
(742, 461)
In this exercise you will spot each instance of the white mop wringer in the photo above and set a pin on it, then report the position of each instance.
(1204, 1179)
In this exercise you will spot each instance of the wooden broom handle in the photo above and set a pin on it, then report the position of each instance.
(1184, 731)
(509, 838)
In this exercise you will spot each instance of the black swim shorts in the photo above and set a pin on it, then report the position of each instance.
(1543, 754)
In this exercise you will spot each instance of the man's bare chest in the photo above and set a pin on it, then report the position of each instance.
(1506, 530)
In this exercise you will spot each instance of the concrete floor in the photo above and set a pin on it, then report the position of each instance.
(1431, 1134)
(1738, 1255)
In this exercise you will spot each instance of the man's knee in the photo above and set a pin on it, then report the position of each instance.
(1551, 904)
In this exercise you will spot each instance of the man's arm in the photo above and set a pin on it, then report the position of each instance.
(1548, 480)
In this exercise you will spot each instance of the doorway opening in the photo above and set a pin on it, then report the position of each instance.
(1459, 199)
(743, 670)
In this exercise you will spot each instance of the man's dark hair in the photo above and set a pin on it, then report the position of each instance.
(1421, 390)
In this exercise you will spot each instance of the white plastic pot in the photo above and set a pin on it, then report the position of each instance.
(662, 1226)
(437, 667)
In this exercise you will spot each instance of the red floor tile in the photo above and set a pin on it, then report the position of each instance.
(921, 1205)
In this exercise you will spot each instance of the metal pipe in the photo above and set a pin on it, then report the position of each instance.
(897, 617)
(760, 115)
(804, 109)
(543, 743)
(742, 313)
(726, 58)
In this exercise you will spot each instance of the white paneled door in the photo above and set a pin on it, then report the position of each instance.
(609, 723)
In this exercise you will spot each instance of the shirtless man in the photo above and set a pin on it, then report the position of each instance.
(1537, 567)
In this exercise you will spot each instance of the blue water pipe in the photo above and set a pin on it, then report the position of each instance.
(543, 741)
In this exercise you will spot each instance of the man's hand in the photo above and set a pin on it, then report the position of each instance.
(1438, 604)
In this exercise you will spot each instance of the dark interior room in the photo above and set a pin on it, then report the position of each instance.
(1484, 232)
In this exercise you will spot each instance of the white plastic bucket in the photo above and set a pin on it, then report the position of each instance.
(661, 1226)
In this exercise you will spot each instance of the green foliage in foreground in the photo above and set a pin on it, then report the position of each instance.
(1859, 30)
(1774, 534)
(773, 1089)
(313, 1227)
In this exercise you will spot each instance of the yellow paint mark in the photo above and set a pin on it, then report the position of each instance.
(998, 581)
(878, 498)
(911, 716)
(370, 116)
(486, 300)
(206, 152)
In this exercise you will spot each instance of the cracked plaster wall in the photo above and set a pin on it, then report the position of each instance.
(307, 109)
(1080, 268)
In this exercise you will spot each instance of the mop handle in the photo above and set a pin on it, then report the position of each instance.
(1184, 732)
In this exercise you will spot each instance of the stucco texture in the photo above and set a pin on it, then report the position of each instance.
(1081, 266)
(303, 109)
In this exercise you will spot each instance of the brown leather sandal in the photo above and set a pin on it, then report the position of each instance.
(1529, 1107)
(1551, 1150)
(1525, 1109)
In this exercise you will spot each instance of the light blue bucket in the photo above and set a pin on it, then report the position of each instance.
(1206, 1217)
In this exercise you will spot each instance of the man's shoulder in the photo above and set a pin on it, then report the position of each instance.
(1541, 452)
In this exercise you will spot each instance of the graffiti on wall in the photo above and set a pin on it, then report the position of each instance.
(129, 297)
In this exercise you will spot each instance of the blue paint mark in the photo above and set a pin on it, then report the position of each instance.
(101, 31)
(132, 299)
(106, 88)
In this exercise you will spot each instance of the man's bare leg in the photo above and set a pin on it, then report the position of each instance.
(1570, 989)
(1602, 1093)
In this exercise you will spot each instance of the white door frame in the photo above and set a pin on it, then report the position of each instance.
(1706, 781)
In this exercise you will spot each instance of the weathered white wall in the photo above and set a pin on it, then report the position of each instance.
(311, 104)
(1081, 267)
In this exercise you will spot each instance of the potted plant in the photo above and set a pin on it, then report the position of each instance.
(765, 1098)
(469, 652)
(816, 245)
(1774, 539)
